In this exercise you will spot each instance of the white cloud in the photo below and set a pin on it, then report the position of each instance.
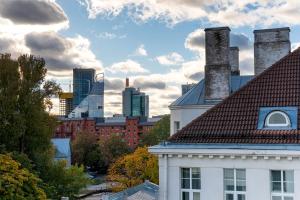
(110, 36)
(295, 45)
(195, 41)
(170, 59)
(229, 12)
(141, 51)
(128, 66)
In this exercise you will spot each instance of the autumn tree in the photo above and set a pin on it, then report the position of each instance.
(17, 182)
(112, 148)
(86, 151)
(133, 169)
(159, 133)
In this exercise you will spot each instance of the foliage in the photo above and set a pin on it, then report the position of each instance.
(26, 129)
(62, 181)
(17, 182)
(112, 148)
(134, 169)
(159, 133)
(86, 151)
(25, 126)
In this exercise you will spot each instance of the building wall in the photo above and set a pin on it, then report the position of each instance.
(130, 131)
(186, 115)
(257, 175)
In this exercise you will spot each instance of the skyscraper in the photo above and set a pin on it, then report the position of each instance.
(135, 103)
(88, 90)
(83, 80)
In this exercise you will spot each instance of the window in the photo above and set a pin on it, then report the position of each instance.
(282, 184)
(277, 119)
(190, 183)
(176, 126)
(235, 184)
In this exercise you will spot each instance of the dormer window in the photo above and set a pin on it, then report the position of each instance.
(277, 119)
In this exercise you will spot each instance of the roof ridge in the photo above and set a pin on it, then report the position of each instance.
(239, 91)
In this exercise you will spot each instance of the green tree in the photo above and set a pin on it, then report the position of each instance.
(17, 182)
(112, 148)
(159, 133)
(25, 126)
(133, 169)
(86, 151)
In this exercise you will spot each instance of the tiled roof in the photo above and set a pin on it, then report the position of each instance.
(195, 96)
(235, 119)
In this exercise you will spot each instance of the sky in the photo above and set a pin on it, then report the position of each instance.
(158, 44)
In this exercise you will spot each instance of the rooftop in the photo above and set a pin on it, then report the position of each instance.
(195, 96)
(235, 120)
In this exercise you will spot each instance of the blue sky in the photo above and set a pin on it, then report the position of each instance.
(158, 44)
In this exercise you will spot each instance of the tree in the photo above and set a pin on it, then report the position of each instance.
(17, 182)
(159, 133)
(133, 169)
(25, 126)
(26, 129)
(112, 148)
(86, 151)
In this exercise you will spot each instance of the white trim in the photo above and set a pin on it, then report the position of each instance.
(234, 192)
(282, 194)
(226, 152)
(190, 190)
(287, 119)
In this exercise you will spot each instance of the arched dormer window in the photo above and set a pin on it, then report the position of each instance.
(277, 119)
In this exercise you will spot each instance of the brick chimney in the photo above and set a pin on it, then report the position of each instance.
(234, 60)
(217, 68)
(270, 45)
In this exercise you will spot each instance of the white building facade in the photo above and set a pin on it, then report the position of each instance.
(219, 167)
(248, 146)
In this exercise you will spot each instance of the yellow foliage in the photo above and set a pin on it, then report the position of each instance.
(17, 182)
(133, 169)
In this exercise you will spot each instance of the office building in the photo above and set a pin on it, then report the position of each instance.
(135, 103)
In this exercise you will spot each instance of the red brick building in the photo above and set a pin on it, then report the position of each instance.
(130, 129)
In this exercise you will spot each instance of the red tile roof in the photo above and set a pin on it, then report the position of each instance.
(235, 119)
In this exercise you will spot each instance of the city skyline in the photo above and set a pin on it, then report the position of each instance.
(157, 44)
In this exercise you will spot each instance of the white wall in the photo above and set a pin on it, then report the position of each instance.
(257, 175)
(186, 114)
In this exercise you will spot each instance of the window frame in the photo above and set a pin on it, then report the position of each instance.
(191, 191)
(282, 194)
(234, 192)
(176, 126)
(270, 125)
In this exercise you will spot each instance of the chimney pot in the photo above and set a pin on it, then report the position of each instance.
(234, 60)
(217, 68)
(270, 46)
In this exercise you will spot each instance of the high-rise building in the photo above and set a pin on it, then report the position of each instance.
(65, 103)
(88, 90)
(83, 80)
(135, 103)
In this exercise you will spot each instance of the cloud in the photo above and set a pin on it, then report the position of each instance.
(141, 51)
(145, 83)
(240, 40)
(128, 66)
(170, 59)
(295, 45)
(32, 12)
(230, 12)
(62, 54)
(195, 41)
(110, 36)
(114, 84)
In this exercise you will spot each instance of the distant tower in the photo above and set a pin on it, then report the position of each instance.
(83, 80)
(135, 103)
